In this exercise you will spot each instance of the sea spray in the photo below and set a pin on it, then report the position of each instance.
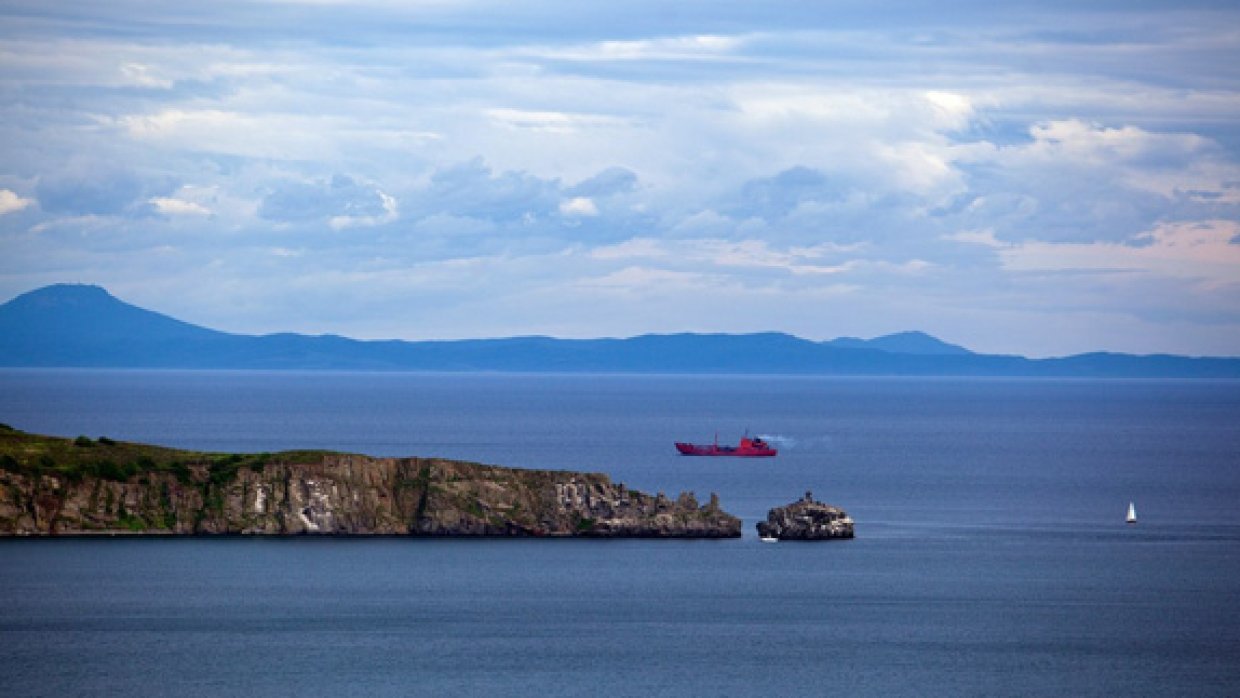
(779, 441)
(792, 443)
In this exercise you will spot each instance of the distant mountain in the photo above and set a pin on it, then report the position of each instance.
(84, 326)
(902, 343)
(77, 325)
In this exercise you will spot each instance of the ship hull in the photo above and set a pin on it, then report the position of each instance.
(743, 451)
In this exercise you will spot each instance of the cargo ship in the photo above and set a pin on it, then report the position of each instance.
(747, 447)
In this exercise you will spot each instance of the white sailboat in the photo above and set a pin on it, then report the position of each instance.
(1132, 514)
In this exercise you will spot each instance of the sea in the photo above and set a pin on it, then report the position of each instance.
(991, 557)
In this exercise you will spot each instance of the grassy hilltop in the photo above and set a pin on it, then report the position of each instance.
(74, 460)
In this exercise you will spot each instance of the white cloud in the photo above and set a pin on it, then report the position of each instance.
(985, 238)
(143, 76)
(730, 256)
(675, 48)
(550, 121)
(1075, 181)
(1093, 144)
(10, 202)
(178, 207)
(648, 281)
(579, 206)
(390, 213)
(883, 140)
(953, 110)
(266, 134)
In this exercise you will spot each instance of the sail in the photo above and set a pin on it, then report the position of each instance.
(1132, 513)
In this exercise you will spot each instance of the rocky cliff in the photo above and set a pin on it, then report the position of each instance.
(54, 486)
(806, 519)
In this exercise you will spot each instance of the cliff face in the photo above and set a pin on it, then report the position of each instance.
(806, 520)
(182, 492)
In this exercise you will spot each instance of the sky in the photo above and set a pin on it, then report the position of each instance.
(1039, 178)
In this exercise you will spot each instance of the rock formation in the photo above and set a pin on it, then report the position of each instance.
(806, 520)
(54, 486)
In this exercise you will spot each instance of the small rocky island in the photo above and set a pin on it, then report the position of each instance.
(51, 486)
(806, 520)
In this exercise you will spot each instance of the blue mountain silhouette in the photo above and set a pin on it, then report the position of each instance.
(69, 325)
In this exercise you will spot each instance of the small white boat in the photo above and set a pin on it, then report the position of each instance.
(768, 539)
(1132, 514)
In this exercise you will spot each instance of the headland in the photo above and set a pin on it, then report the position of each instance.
(57, 486)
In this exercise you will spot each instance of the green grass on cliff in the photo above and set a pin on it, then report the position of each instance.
(108, 459)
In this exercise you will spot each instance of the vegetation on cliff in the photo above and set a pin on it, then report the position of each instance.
(119, 461)
(50, 485)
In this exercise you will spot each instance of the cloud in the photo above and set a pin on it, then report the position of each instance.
(1074, 181)
(806, 167)
(96, 190)
(1201, 252)
(390, 213)
(143, 76)
(340, 201)
(10, 202)
(550, 121)
(318, 130)
(191, 202)
(729, 256)
(774, 197)
(611, 181)
(178, 207)
(578, 206)
(471, 189)
(690, 47)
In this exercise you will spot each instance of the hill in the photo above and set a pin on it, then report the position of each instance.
(902, 343)
(84, 326)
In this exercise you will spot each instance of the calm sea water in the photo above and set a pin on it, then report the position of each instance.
(991, 556)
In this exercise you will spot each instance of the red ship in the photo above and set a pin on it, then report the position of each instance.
(748, 447)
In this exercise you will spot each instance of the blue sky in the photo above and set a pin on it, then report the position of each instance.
(1038, 178)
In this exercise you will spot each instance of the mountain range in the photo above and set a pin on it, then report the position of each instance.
(71, 325)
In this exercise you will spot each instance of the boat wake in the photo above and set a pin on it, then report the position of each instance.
(785, 442)
(792, 443)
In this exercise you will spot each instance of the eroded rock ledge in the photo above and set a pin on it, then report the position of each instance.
(52, 486)
(806, 520)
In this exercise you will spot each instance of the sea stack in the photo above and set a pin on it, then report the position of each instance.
(806, 519)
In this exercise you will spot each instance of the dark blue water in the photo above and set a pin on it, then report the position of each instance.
(991, 555)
